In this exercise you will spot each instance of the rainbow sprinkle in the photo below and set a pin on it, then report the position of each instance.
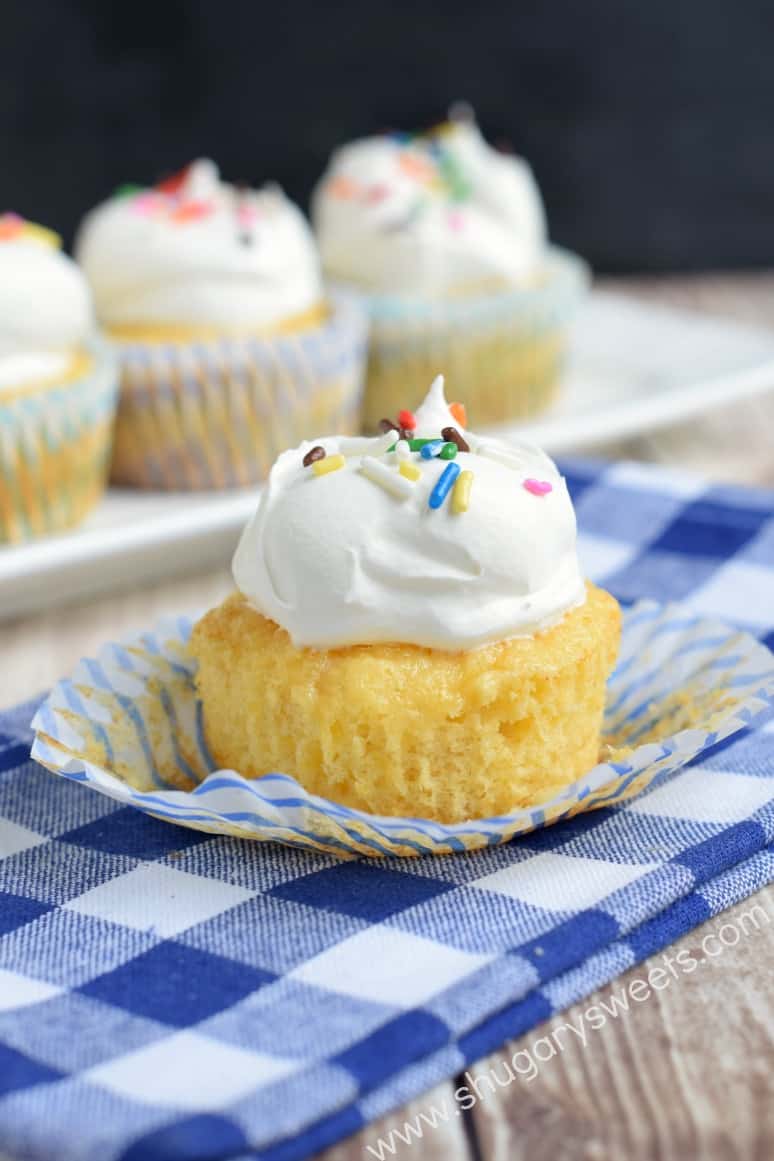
(430, 448)
(538, 487)
(148, 203)
(460, 501)
(448, 451)
(329, 464)
(410, 471)
(444, 485)
(395, 483)
(415, 444)
(247, 213)
(459, 412)
(128, 189)
(13, 227)
(343, 187)
(192, 210)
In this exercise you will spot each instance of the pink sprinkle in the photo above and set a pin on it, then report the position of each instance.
(375, 194)
(456, 220)
(538, 487)
(146, 203)
(246, 214)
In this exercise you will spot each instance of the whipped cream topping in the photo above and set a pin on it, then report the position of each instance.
(358, 556)
(195, 251)
(430, 215)
(45, 305)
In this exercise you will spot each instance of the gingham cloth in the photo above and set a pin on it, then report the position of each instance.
(165, 994)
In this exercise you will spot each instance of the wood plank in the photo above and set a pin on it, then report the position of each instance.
(39, 649)
(686, 1072)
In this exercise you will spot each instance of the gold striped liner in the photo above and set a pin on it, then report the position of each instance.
(55, 451)
(502, 353)
(215, 413)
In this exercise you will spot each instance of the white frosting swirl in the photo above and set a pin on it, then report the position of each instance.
(339, 560)
(429, 216)
(45, 310)
(199, 252)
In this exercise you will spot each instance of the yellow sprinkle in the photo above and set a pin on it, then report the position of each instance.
(329, 464)
(35, 233)
(410, 471)
(461, 493)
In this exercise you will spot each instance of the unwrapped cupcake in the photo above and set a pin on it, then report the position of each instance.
(446, 238)
(229, 349)
(412, 635)
(57, 387)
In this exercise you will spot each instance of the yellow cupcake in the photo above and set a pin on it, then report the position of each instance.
(229, 350)
(57, 387)
(445, 238)
(405, 731)
(412, 636)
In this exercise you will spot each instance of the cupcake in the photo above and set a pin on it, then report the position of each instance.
(412, 635)
(229, 350)
(57, 387)
(446, 238)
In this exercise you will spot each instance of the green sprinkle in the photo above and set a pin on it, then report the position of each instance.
(414, 444)
(128, 190)
(448, 452)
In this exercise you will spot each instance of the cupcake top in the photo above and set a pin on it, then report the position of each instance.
(428, 535)
(45, 306)
(431, 215)
(194, 251)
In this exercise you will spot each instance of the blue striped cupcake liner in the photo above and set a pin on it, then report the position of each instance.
(215, 413)
(501, 351)
(129, 725)
(55, 447)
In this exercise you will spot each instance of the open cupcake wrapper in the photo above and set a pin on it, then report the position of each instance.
(128, 724)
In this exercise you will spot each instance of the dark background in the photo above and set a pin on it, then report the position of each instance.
(650, 125)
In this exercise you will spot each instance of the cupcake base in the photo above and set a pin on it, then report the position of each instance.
(405, 731)
(215, 413)
(501, 378)
(502, 352)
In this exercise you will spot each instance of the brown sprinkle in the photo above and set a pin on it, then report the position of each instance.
(451, 435)
(386, 425)
(315, 453)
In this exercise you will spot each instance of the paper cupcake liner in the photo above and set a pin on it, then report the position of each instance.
(500, 353)
(217, 413)
(55, 451)
(128, 724)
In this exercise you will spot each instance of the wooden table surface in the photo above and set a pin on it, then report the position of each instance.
(687, 1073)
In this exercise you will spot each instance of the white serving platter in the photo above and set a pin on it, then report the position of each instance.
(633, 367)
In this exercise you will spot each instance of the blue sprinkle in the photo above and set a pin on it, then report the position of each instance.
(431, 450)
(444, 484)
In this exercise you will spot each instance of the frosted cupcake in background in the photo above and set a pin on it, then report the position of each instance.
(447, 238)
(57, 387)
(212, 296)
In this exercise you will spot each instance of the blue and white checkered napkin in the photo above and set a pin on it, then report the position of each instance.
(167, 994)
